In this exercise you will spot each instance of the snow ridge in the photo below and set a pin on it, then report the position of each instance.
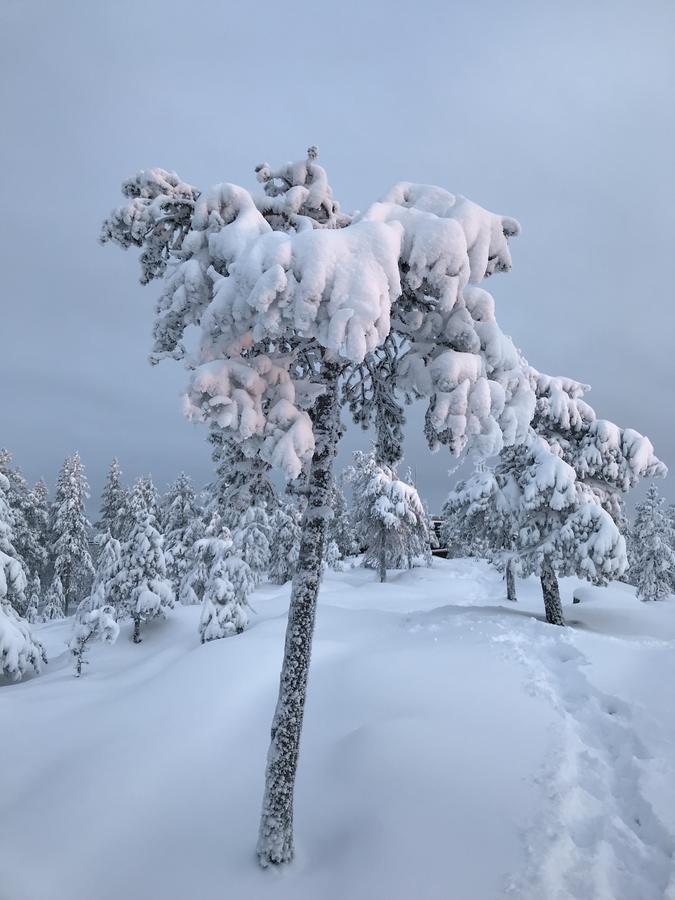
(598, 838)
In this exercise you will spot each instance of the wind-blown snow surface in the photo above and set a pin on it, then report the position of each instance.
(455, 746)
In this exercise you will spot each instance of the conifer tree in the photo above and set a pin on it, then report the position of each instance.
(18, 648)
(32, 614)
(141, 581)
(284, 546)
(653, 560)
(179, 512)
(104, 588)
(27, 509)
(70, 531)
(225, 605)
(389, 519)
(289, 294)
(333, 556)
(55, 601)
(200, 557)
(251, 540)
(114, 499)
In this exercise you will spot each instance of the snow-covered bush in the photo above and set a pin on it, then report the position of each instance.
(653, 555)
(289, 294)
(94, 624)
(141, 582)
(32, 614)
(332, 557)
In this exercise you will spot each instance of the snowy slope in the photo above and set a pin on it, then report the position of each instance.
(454, 747)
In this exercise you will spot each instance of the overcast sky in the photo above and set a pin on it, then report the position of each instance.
(561, 115)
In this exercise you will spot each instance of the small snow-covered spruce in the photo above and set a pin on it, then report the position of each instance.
(94, 624)
(284, 546)
(289, 294)
(481, 517)
(389, 518)
(225, 606)
(70, 531)
(332, 557)
(180, 511)
(55, 601)
(32, 614)
(653, 561)
(114, 499)
(252, 540)
(18, 648)
(200, 558)
(141, 582)
(104, 590)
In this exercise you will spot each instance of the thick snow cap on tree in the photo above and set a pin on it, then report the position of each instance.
(267, 277)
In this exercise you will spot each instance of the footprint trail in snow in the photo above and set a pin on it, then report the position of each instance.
(598, 837)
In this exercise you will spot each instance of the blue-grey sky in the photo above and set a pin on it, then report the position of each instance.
(560, 114)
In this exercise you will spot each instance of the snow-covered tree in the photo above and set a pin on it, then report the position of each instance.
(55, 601)
(653, 560)
(179, 512)
(32, 614)
(560, 490)
(104, 588)
(252, 540)
(150, 497)
(241, 481)
(284, 546)
(389, 519)
(199, 538)
(225, 605)
(28, 511)
(141, 582)
(18, 648)
(94, 624)
(70, 531)
(289, 294)
(14, 576)
(332, 556)
(481, 517)
(114, 500)
(340, 526)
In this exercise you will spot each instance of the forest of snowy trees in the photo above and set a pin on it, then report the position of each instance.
(301, 311)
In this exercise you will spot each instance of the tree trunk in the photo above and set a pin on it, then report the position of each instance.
(551, 592)
(510, 582)
(275, 838)
(382, 556)
(137, 630)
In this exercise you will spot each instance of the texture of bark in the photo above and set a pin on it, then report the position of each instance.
(551, 592)
(275, 839)
(510, 582)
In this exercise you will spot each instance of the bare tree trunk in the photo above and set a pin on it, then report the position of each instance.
(510, 582)
(137, 630)
(275, 838)
(382, 556)
(551, 592)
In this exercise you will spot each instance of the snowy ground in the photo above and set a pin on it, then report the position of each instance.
(455, 748)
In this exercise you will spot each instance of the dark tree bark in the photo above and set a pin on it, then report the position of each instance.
(137, 630)
(382, 555)
(510, 582)
(551, 592)
(275, 838)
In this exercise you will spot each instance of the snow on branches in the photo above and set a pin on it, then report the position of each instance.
(265, 278)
